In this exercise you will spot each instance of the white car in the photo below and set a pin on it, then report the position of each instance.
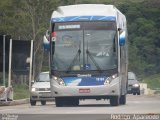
(40, 90)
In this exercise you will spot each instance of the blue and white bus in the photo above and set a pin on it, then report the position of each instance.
(88, 54)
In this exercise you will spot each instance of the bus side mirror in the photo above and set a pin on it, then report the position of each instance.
(46, 43)
(122, 38)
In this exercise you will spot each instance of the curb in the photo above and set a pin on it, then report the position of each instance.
(14, 102)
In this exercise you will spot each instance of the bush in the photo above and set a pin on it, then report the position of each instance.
(20, 92)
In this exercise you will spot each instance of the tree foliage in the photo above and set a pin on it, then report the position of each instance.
(29, 19)
(143, 29)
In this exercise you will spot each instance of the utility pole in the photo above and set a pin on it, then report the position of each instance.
(4, 58)
(30, 70)
(10, 63)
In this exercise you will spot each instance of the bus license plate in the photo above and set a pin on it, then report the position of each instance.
(86, 90)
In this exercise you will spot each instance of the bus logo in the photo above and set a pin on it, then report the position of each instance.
(84, 75)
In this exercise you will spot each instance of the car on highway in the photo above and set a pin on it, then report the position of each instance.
(133, 84)
(40, 90)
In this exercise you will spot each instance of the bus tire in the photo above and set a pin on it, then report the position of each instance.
(114, 101)
(59, 102)
(71, 101)
(75, 102)
(122, 100)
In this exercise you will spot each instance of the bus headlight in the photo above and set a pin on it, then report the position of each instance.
(59, 80)
(109, 79)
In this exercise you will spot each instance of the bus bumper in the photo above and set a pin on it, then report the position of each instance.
(112, 89)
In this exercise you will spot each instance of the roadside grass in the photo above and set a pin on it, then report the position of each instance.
(153, 81)
(20, 92)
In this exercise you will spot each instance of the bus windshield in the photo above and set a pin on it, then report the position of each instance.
(85, 46)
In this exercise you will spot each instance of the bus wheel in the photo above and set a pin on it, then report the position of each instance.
(59, 102)
(75, 102)
(71, 101)
(114, 100)
(122, 100)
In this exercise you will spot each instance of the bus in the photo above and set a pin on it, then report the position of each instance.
(88, 54)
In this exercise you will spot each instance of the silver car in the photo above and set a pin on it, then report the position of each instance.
(40, 90)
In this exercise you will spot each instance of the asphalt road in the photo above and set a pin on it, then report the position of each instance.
(87, 110)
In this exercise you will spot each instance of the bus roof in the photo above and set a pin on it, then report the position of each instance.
(85, 12)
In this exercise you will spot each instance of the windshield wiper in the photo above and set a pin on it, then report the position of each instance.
(93, 60)
(73, 61)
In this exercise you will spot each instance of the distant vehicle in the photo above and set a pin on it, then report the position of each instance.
(40, 90)
(133, 84)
